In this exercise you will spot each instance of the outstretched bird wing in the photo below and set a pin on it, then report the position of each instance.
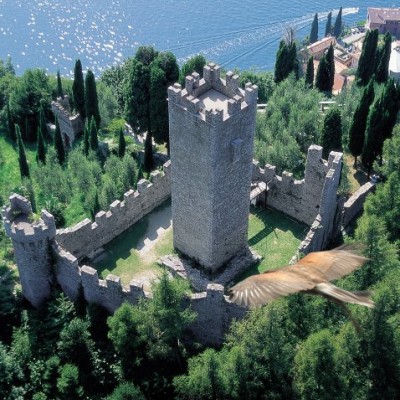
(333, 264)
(261, 289)
(308, 273)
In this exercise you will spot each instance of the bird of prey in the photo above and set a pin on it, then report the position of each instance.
(312, 274)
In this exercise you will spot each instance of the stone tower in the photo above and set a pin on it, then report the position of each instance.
(211, 125)
(31, 241)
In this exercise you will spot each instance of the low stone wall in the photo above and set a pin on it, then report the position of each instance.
(84, 238)
(355, 204)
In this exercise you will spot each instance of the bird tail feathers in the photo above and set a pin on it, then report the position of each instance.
(361, 298)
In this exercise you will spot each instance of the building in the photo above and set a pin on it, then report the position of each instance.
(212, 126)
(318, 49)
(384, 19)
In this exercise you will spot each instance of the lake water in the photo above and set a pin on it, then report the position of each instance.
(51, 34)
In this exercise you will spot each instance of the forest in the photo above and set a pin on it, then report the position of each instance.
(298, 347)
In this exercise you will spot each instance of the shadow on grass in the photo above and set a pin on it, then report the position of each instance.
(126, 246)
(274, 236)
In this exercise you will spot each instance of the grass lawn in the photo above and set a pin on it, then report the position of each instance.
(134, 253)
(357, 177)
(273, 235)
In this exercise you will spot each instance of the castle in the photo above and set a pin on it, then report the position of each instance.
(210, 175)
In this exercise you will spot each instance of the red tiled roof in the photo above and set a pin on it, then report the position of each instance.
(321, 45)
(381, 15)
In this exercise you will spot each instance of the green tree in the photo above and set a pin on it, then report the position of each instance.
(86, 137)
(158, 105)
(331, 61)
(60, 92)
(121, 143)
(332, 133)
(338, 27)
(29, 94)
(309, 79)
(264, 81)
(42, 121)
(382, 62)
(366, 65)
(91, 101)
(194, 64)
(59, 144)
(10, 124)
(137, 105)
(314, 29)
(328, 27)
(315, 369)
(126, 391)
(286, 61)
(68, 383)
(146, 54)
(78, 89)
(93, 137)
(359, 121)
(41, 148)
(23, 163)
(323, 78)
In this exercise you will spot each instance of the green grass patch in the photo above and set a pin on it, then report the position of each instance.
(275, 237)
(272, 234)
(124, 255)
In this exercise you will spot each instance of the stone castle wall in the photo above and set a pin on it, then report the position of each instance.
(85, 237)
(70, 125)
(326, 223)
(31, 241)
(300, 199)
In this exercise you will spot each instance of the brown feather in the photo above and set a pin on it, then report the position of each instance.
(312, 273)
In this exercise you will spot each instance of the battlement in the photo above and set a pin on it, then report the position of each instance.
(18, 223)
(213, 99)
(109, 292)
(86, 236)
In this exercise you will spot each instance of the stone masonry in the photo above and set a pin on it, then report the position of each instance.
(70, 125)
(31, 242)
(211, 125)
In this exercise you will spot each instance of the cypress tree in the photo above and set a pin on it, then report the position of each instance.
(42, 121)
(140, 173)
(23, 163)
(309, 80)
(286, 61)
(366, 65)
(337, 29)
(390, 107)
(314, 29)
(382, 62)
(86, 135)
(323, 78)
(148, 162)
(78, 89)
(91, 101)
(10, 124)
(41, 147)
(93, 139)
(328, 27)
(96, 205)
(332, 132)
(330, 57)
(281, 56)
(60, 92)
(59, 144)
(121, 144)
(359, 122)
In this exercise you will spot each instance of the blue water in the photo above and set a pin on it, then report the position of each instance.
(51, 34)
